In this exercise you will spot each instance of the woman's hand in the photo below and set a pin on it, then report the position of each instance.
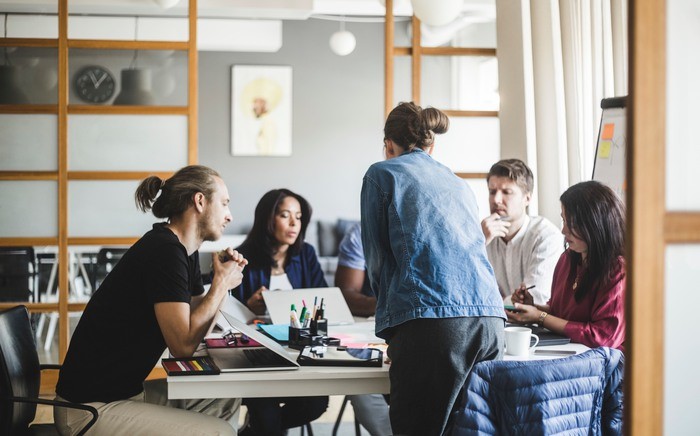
(522, 296)
(523, 314)
(256, 302)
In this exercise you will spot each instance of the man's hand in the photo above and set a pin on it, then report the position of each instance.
(494, 227)
(228, 268)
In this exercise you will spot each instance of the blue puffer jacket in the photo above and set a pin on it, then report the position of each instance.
(579, 395)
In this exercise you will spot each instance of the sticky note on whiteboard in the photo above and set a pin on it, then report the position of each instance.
(604, 149)
(608, 131)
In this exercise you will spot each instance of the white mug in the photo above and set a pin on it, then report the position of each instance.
(518, 341)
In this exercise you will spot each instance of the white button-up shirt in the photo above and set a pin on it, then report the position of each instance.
(530, 258)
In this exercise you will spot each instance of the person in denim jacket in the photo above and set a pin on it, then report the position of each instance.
(438, 304)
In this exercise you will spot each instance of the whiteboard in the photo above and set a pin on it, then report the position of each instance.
(611, 148)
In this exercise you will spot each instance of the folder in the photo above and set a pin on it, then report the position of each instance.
(340, 356)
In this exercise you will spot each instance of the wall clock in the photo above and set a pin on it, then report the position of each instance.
(94, 84)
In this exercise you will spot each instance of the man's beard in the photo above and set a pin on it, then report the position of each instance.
(205, 228)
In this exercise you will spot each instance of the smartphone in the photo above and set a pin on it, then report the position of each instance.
(511, 308)
(555, 352)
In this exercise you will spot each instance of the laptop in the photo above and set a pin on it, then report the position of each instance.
(270, 357)
(336, 309)
(236, 309)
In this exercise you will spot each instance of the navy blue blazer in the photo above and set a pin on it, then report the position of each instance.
(303, 271)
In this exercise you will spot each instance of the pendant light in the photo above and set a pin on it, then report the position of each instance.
(437, 12)
(342, 42)
(10, 89)
(136, 83)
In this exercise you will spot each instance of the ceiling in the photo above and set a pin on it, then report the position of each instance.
(261, 9)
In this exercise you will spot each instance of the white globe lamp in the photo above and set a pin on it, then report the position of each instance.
(166, 4)
(342, 42)
(437, 12)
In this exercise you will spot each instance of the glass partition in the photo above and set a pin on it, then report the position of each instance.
(127, 142)
(682, 268)
(33, 211)
(28, 75)
(28, 142)
(471, 145)
(106, 209)
(481, 192)
(128, 77)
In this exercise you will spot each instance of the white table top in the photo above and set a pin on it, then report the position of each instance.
(309, 380)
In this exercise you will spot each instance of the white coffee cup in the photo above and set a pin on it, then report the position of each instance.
(518, 341)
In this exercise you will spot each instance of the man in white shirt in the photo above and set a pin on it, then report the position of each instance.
(522, 249)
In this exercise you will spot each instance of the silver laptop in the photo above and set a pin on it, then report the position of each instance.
(336, 309)
(270, 357)
(236, 309)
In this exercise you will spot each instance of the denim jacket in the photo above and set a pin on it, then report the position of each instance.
(423, 244)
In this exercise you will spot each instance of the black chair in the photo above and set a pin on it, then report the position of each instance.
(17, 273)
(338, 420)
(107, 258)
(20, 377)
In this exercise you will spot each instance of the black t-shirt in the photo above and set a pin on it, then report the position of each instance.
(118, 341)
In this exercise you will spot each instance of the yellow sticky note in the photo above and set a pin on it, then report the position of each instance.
(608, 131)
(604, 149)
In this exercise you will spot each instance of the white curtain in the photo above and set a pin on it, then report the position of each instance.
(579, 57)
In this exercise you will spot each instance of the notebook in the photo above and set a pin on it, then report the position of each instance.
(547, 337)
(270, 357)
(336, 310)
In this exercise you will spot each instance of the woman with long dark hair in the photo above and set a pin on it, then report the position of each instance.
(588, 289)
(278, 258)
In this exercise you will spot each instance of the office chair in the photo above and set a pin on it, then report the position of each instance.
(107, 258)
(580, 394)
(17, 274)
(20, 377)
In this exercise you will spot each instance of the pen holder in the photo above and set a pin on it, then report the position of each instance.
(315, 334)
(300, 338)
(319, 327)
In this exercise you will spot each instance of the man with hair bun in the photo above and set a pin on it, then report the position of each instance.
(438, 305)
(153, 299)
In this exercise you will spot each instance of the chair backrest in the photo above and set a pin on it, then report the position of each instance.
(16, 272)
(19, 370)
(107, 258)
(580, 394)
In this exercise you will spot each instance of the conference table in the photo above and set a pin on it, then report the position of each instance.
(310, 380)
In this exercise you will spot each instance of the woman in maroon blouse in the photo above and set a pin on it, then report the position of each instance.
(588, 288)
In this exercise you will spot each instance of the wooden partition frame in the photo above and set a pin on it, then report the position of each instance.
(416, 52)
(62, 175)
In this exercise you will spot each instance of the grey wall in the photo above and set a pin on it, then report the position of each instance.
(337, 120)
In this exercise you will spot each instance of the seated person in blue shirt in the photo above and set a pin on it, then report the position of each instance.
(279, 259)
(371, 410)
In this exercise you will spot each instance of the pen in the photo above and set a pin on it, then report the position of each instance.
(319, 312)
(529, 287)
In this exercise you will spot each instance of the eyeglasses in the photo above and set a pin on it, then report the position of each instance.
(234, 338)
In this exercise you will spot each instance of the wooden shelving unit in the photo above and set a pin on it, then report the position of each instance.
(416, 51)
(62, 175)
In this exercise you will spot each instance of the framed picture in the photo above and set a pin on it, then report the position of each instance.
(261, 110)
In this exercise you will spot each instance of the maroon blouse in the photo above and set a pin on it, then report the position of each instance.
(599, 318)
